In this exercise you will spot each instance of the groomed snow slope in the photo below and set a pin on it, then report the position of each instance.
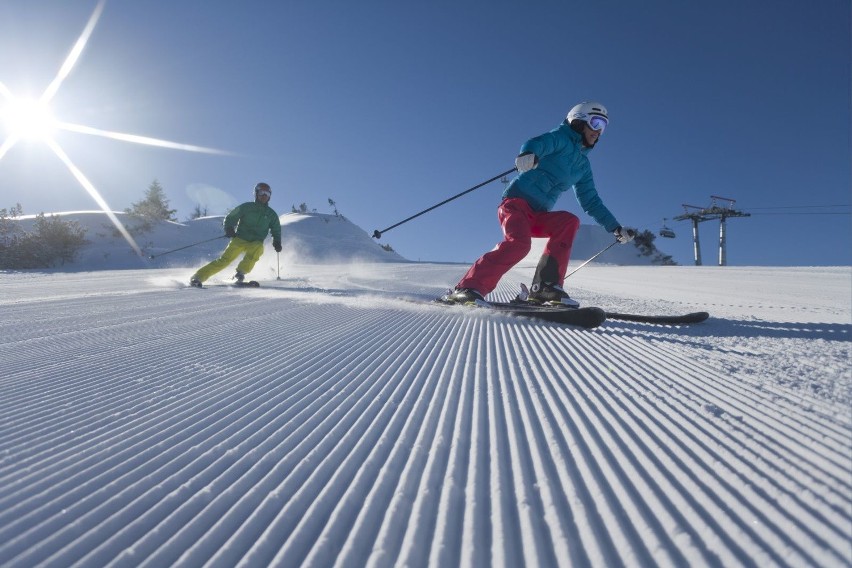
(326, 419)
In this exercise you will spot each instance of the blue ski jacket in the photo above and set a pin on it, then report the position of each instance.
(562, 165)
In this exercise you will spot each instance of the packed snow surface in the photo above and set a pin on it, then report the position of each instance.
(333, 417)
(330, 418)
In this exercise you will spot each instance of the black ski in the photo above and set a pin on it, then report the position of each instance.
(587, 317)
(682, 319)
(582, 317)
(679, 319)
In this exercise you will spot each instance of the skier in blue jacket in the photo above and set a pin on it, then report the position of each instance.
(548, 166)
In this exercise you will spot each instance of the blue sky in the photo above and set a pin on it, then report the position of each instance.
(390, 107)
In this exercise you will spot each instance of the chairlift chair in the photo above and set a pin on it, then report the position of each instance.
(666, 232)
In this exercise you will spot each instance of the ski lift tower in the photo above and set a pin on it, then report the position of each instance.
(694, 214)
(715, 211)
(723, 213)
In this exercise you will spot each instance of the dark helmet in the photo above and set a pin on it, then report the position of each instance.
(262, 188)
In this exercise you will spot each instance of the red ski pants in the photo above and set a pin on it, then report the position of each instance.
(520, 224)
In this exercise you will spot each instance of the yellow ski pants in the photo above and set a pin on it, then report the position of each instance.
(252, 250)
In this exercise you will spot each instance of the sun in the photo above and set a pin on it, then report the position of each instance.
(25, 118)
(28, 119)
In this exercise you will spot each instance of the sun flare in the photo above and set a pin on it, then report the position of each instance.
(31, 119)
(28, 119)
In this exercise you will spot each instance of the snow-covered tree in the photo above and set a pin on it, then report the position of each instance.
(155, 206)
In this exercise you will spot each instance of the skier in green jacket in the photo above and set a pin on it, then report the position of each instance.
(247, 226)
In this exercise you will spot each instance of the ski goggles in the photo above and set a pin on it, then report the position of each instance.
(266, 192)
(598, 123)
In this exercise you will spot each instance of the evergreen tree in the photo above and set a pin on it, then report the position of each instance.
(8, 226)
(198, 212)
(155, 206)
(644, 241)
(10, 237)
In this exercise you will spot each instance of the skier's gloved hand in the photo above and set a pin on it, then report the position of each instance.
(526, 161)
(230, 232)
(623, 235)
(276, 244)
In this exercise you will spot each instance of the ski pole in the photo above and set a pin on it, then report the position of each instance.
(279, 265)
(593, 258)
(153, 256)
(378, 234)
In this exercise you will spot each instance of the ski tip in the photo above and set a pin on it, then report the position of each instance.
(684, 319)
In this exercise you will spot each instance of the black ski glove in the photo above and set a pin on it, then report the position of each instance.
(230, 232)
(276, 244)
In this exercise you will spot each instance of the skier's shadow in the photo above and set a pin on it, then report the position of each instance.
(782, 330)
(713, 327)
(723, 327)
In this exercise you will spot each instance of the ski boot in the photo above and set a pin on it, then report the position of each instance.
(462, 296)
(552, 294)
(195, 282)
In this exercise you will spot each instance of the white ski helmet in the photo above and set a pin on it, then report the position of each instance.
(586, 110)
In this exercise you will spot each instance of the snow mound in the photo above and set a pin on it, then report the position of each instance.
(307, 238)
(316, 238)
